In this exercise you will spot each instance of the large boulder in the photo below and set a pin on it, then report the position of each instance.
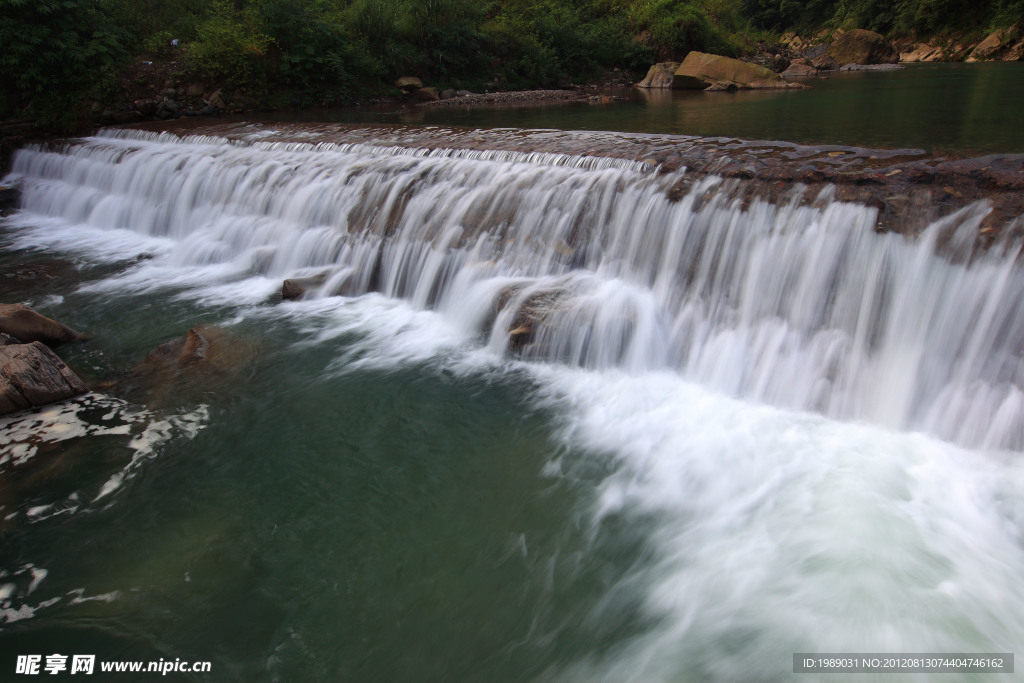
(800, 68)
(408, 83)
(993, 45)
(32, 375)
(20, 321)
(701, 70)
(659, 76)
(862, 47)
(428, 94)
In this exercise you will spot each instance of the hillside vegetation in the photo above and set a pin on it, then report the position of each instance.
(60, 56)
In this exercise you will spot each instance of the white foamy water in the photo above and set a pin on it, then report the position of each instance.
(587, 262)
(816, 427)
(769, 531)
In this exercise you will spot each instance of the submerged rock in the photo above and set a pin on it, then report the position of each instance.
(660, 75)
(31, 375)
(701, 70)
(206, 358)
(296, 288)
(20, 321)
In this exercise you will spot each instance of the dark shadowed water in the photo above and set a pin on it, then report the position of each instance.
(967, 109)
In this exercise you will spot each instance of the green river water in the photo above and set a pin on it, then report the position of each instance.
(737, 431)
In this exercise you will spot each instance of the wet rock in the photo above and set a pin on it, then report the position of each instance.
(408, 83)
(922, 52)
(860, 46)
(32, 375)
(700, 70)
(993, 44)
(147, 107)
(216, 99)
(447, 93)
(660, 75)
(296, 288)
(1015, 53)
(427, 94)
(824, 62)
(722, 86)
(206, 358)
(9, 197)
(531, 313)
(21, 322)
(799, 68)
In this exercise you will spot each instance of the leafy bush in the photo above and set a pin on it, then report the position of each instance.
(54, 54)
(230, 45)
(679, 26)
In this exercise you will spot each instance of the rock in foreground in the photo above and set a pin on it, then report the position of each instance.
(32, 375)
(20, 321)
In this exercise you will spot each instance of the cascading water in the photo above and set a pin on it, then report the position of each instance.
(587, 261)
(540, 416)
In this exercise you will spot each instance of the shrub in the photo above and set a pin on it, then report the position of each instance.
(54, 54)
(230, 45)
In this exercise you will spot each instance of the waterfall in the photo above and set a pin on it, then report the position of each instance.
(590, 261)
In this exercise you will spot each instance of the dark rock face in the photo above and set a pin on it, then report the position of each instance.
(799, 68)
(21, 322)
(408, 83)
(296, 288)
(862, 47)
(660, 75)
(32, 375)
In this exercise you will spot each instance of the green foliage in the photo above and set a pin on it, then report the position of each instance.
(921, 17)
(679, 26)
(778, 15)
(151, 24)
(57, 52)
(316, 53)
(230, 46)
(54, 53)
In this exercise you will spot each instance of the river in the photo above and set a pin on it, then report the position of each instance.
(539, 419)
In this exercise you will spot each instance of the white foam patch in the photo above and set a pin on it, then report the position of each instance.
(779, 532)
(102, 245)
(23, 434)
(378, 331)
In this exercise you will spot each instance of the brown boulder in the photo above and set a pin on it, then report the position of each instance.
(21, 322)
(32, 375)
(1015, 53)
(408, 83)
(824, 62)
(922, 52)
(993, 44)
(296, 288)
(862, 47)
(799, 68)
(700, 70)
(659, 76)
(428, 94)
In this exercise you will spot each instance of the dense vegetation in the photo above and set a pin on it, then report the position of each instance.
(61, 53)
